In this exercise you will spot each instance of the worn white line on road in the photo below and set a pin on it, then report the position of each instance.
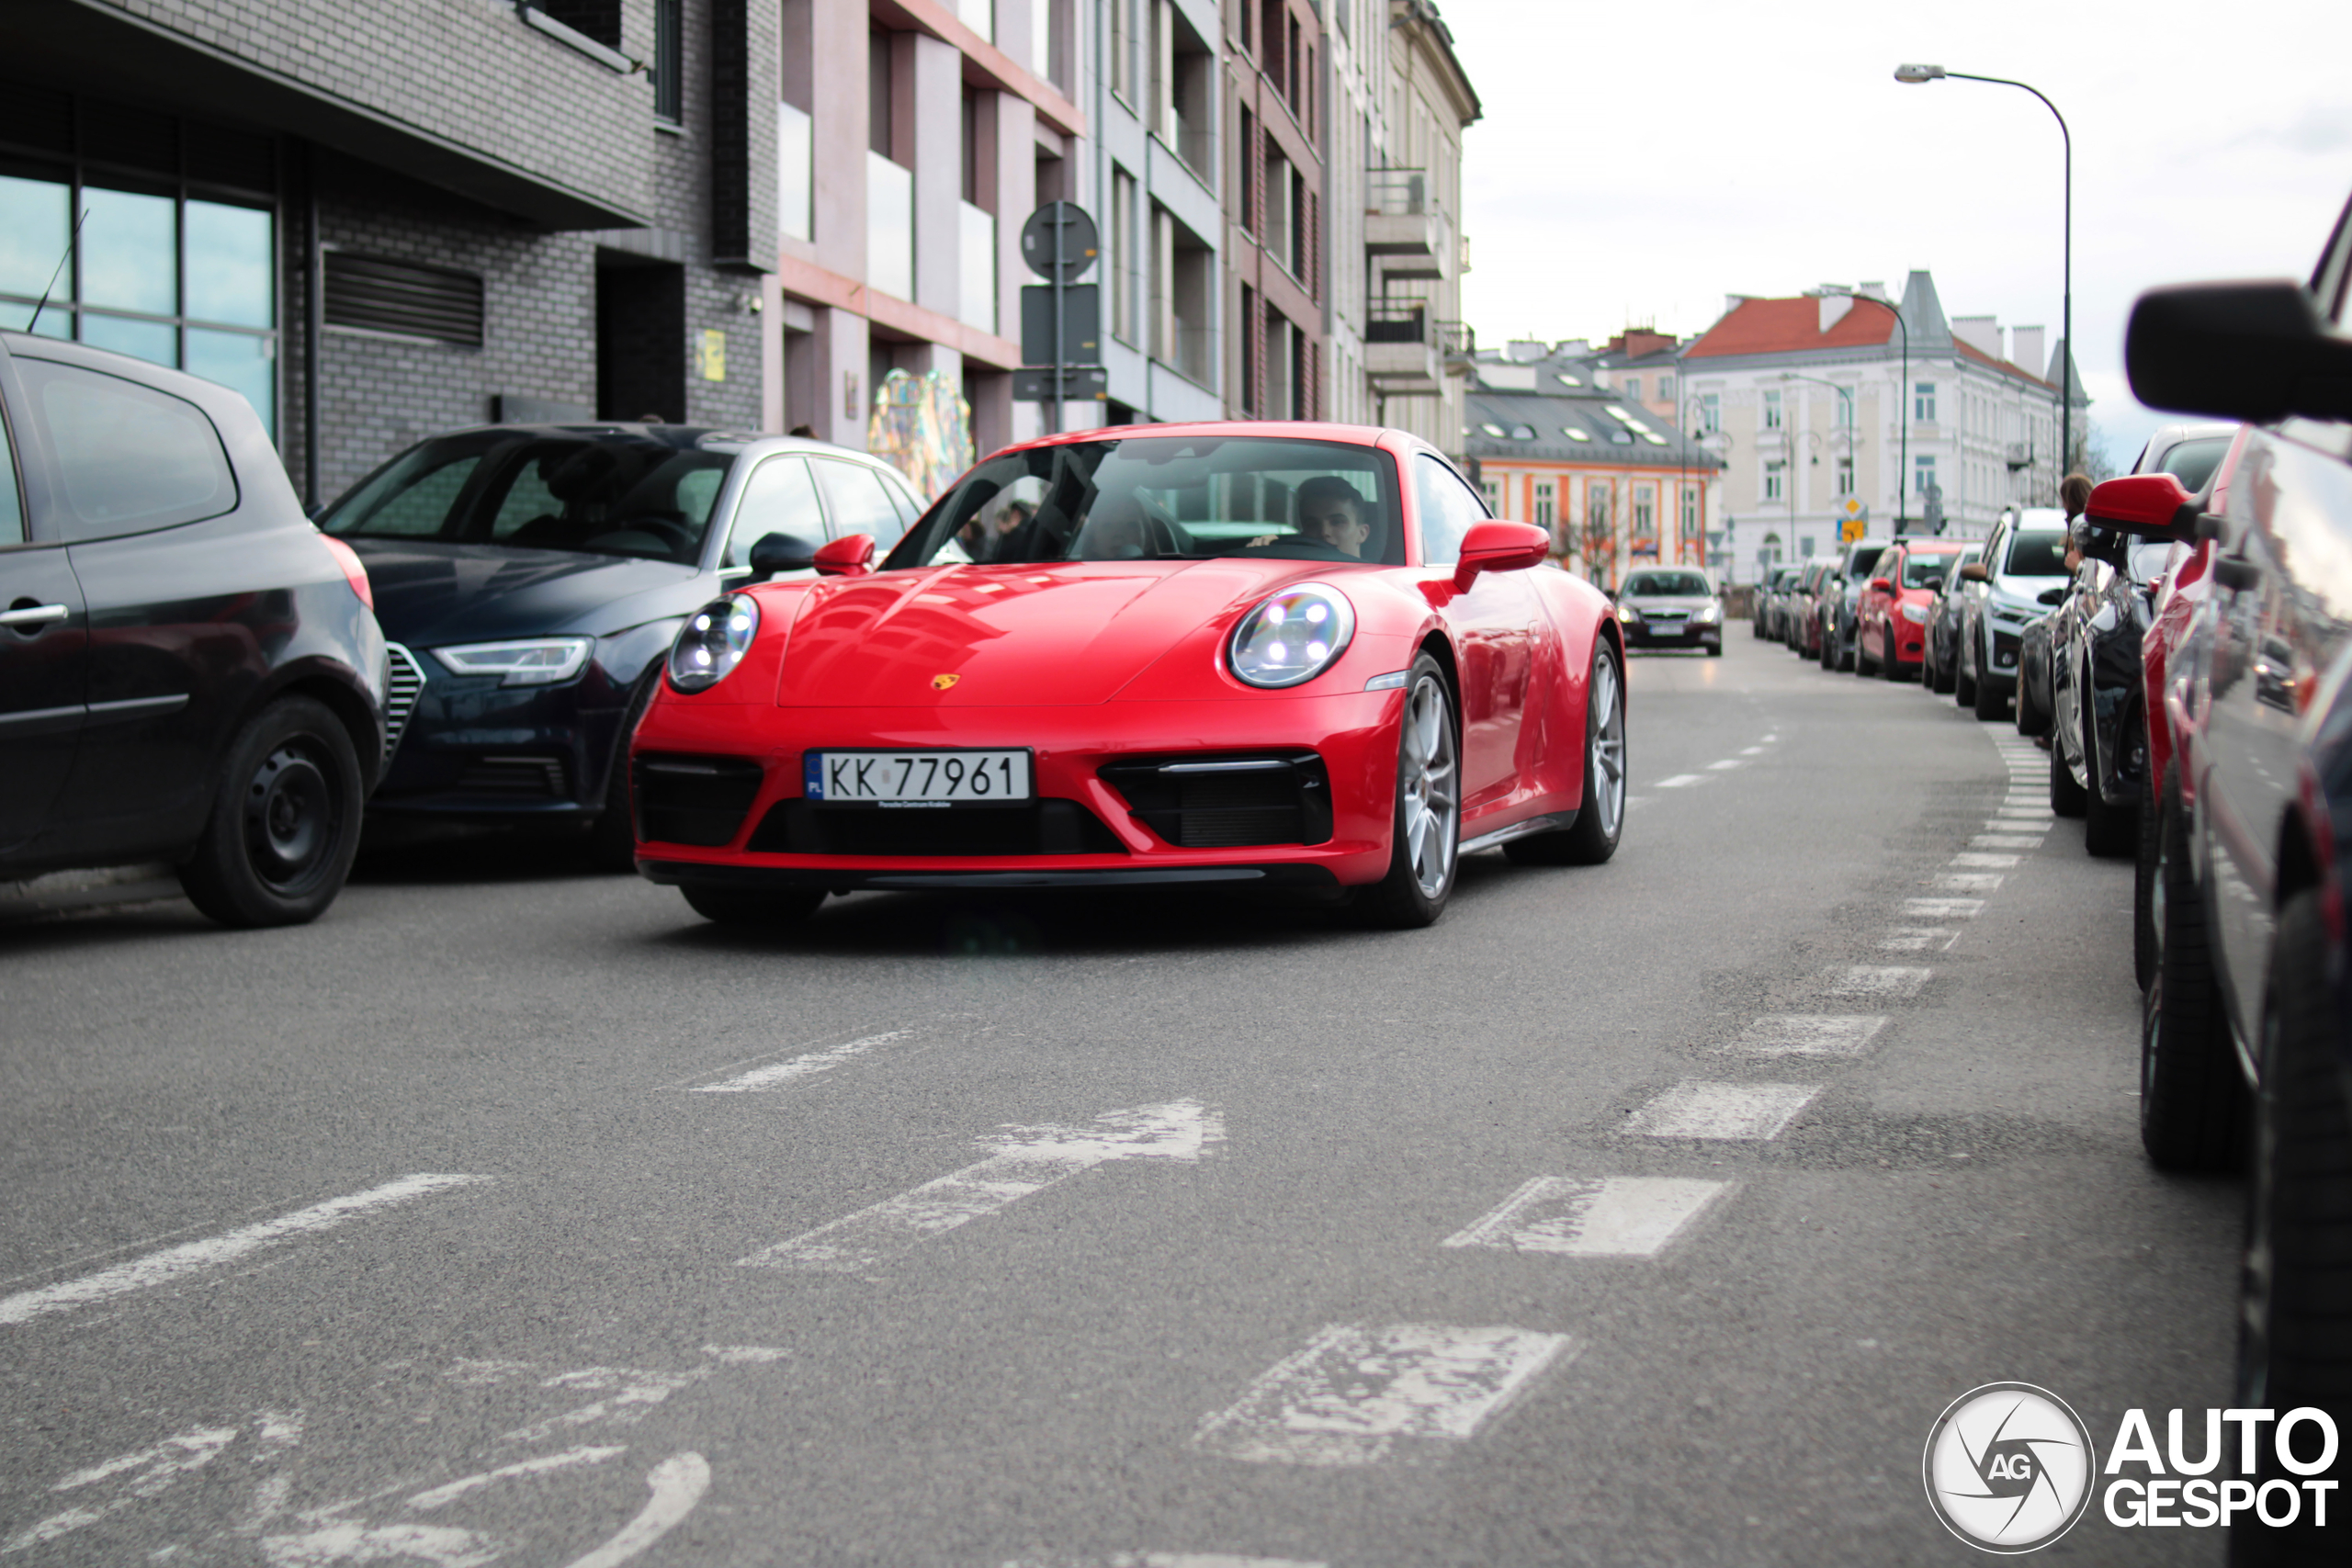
(1360, 1395)
(1027, 1160)
(1744, 1112)
(189, 1258)
(677, 1484)
(1679, 780)
(570, 1458)
(1808, 1034)
(776, 1075)
(1586, 1216)
(1968, 860)
(1877, 980)
(1965, 882)
(1726, 765)
(1168, 1560)
(1751, 751)
(155, 1469)
(1920, 939)
(2004, 841)
(1943, 908)
(442, 1546)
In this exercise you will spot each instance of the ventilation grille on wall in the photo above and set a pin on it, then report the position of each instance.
(374, 295)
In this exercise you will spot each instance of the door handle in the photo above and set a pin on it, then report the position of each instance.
(33, 615)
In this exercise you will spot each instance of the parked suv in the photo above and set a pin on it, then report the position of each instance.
(2253, 969)
(2024, 573)
(188, 671)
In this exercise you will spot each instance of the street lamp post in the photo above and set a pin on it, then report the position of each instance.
(1854, 431)
(1913, 75)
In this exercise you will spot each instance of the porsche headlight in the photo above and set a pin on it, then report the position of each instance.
(712, 642)
(530, 662)
(1291, 638)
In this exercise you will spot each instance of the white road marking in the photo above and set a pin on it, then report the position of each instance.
(678, 1484)
(1751, 751)
(570, 1458)
(1972, 860)
(2004, 841)
(151, 1470)
(1726, 765)
(1877, 980)
(1172, 1560)
(1742, 1112)
(1613, 1216)
(1964, 882)
(1943, 908)
(1027, 1160)
(437, 1544)
(631, 1395)
(1770, 739)
(1678, 780)
(1359, 1394)
(776, 1075)
(1809, 1035)
(1920, 939)
(189, 1257)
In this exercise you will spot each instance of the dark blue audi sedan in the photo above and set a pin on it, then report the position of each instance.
(529, 578)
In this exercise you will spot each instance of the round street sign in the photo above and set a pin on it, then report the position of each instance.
(1079, 240)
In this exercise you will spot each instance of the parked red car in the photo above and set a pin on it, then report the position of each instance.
(1891, 621)
(1232, 654)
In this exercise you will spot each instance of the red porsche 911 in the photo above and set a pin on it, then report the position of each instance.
(1242, 656)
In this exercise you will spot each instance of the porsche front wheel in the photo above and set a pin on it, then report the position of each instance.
(1592, 836)
(1426, 835)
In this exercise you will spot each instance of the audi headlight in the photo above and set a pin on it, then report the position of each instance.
(712, 642)
(533, 662)
(1291, 638)
(1916, 613)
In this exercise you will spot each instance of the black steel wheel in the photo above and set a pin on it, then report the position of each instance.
(285, 819)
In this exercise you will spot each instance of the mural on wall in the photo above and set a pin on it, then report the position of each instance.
(922, 427)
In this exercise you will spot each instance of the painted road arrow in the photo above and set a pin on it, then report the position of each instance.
(1026, 1160)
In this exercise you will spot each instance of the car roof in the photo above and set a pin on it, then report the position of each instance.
(194, 388)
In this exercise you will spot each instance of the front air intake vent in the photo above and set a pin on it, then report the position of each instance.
(692, 800)
(1227, 801)
(1044, 828)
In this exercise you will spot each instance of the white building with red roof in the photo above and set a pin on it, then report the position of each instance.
(1841, 413)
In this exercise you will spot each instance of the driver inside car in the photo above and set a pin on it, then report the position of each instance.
(1331, 512)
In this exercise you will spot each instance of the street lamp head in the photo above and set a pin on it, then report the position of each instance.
(1914, 75)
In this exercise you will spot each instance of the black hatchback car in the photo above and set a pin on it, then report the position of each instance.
(188, 671)
(529, 579)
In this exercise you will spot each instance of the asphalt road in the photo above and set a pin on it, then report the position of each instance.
(971, 1234)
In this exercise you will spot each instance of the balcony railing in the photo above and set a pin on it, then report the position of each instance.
(1399, 193)
(1396, 323)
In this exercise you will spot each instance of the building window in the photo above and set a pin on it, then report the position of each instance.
(1922, 475)
(1689, 511)
(1546, 504)
(1775, 476)
(1122, 243)
(1122, 50)
(668, 68)
(1845, 476)
(1644, 519)
(1805, 546)
(1923, 403)
(1666, 388)
(1634, 388)
(1843, 415)
(1493, 490)
(1773, 411)
(1711, 413)
(1771, 550)
(1247, 344)
(1248, 169)
(179, 279)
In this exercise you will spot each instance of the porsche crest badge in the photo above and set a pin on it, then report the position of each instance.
(941, 683)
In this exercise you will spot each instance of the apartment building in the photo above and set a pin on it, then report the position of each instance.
(380, 222)
(1278, 90)
(1844, 394)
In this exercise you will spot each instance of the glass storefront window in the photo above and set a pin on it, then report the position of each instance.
(228, 266)
(157, 342)
(32, 237)
(127, 246)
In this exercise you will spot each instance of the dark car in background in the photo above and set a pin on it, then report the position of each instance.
(529, 578)
(1771, 602)
(1938, 669)
(1802, 613)
(2025, 558)
(2098, 721)
(1673, 606)
(2253, 983)
(188, 672)
(1842, 597)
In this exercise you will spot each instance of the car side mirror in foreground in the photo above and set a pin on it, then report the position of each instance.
(852, 554)
(2152, 505)
(2249, 351)
(775, 553)
(2051, 596)
(1881, 585)
(1973, 572)
(1500, 547)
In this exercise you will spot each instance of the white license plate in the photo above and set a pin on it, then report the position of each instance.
(917, 778)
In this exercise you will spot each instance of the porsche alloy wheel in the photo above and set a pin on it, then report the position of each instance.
(1428, 822)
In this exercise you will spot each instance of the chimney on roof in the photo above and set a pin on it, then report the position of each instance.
(1873, 292)
(1982, 334)
(1834, 305)
(2030, 353)
(1635, 342)
(1528, 350)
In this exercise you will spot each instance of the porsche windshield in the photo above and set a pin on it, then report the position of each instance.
(600, 495)
(1168, 498)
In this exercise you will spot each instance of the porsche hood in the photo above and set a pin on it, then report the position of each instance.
(1064, 634)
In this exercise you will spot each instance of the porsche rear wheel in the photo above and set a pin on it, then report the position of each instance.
(1592, 836)
(730, 906)
(1427, 832)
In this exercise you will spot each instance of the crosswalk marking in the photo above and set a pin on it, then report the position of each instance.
(1027, 1160)
(1877, 980)
(189, 1258)
(1360, 1395)
(1943, 908)
(1970, 860)
(2004, 841)
(1965, 882)
(1747, 1112)
(1918, 939)
(1809, 1035)
(1584, 1216)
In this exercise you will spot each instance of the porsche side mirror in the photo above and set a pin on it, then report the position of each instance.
(2154, 506)
(1500, 547)
(773, 553)
(1973, 572)
(852, 554)
(1881, 585)
(2249, 351)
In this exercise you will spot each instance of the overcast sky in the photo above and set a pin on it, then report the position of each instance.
(1638, 163)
